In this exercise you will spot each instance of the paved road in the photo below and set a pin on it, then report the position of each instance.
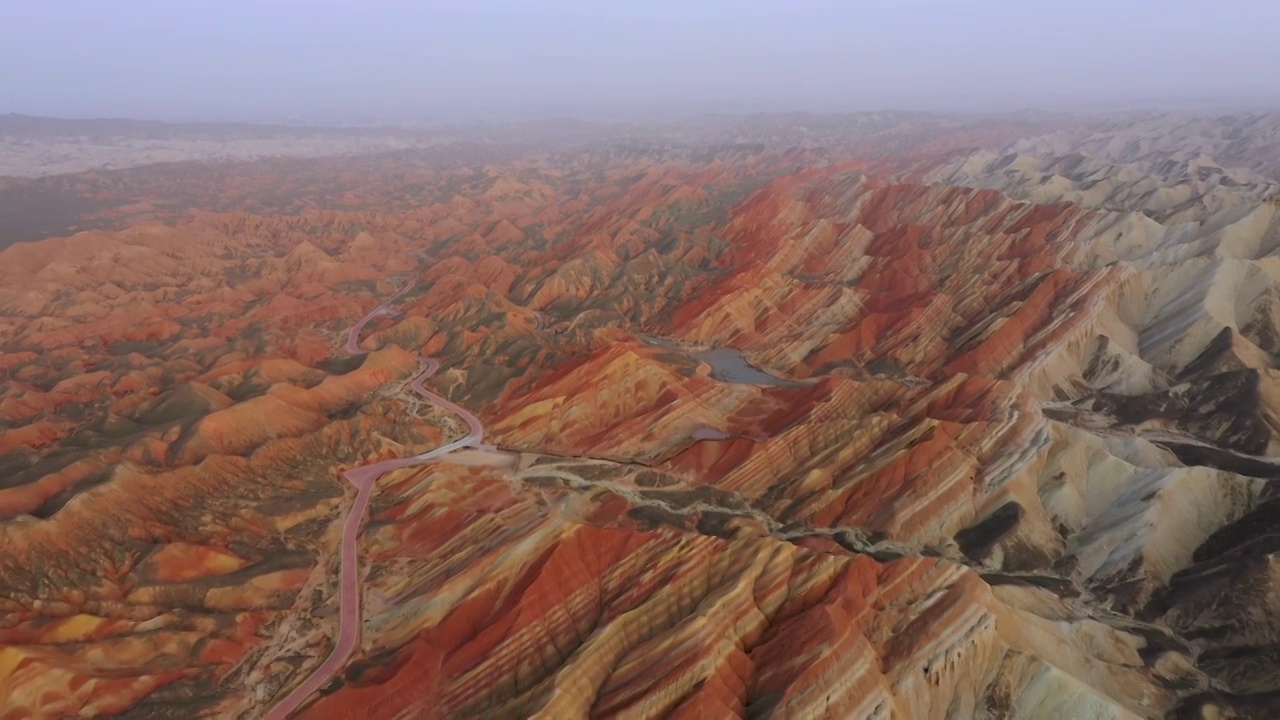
(365, 478)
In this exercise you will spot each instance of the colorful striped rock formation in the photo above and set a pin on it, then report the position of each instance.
(654, 429)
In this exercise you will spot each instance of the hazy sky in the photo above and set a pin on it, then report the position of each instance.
(264, 59)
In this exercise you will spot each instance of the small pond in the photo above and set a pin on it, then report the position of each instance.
(728, 365)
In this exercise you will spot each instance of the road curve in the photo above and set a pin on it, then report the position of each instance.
(365, 478)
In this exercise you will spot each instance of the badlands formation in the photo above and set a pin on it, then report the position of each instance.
(914, 420)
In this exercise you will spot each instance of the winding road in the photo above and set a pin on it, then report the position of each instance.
(365, 478)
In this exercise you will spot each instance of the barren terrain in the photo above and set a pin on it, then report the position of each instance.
(791, 416)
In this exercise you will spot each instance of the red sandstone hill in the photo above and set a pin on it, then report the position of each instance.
(760, 440)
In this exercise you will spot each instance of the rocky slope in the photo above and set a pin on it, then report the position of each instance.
(1249, 141)
(946, 434)
(1169, 190)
